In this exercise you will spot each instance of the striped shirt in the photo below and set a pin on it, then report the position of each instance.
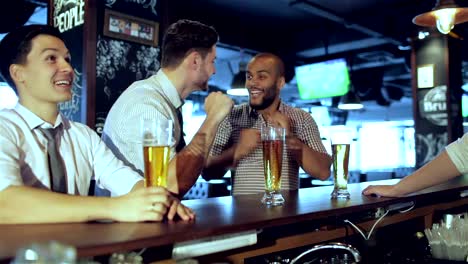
(249, 175)
(156, 98)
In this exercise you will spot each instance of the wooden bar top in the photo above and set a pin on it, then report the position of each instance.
(215, 216)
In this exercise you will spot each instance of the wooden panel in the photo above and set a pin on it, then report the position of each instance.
(89, 62)
(331, 233)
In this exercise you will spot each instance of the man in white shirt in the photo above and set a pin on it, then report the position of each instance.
(188, 55)
(450, 163)
(35, 61)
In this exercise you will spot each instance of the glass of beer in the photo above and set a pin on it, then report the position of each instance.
(340, 145)
(157, 139)
(273, 145)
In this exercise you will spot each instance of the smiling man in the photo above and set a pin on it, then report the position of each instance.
(188, 56)
(237, 142)
(47, 161)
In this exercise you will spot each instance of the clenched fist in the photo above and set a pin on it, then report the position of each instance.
(218, 106)
(249, 139)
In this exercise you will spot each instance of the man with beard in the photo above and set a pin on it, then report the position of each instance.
(188, 55)
(237, 143)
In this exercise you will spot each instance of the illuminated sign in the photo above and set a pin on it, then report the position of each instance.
(68, 14)
(433, 105)
(425, 76)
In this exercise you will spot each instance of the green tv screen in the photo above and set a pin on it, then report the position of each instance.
(322, 79)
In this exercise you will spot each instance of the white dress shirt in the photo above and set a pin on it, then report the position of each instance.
(24, 161)
(155, 98)
(458, 153)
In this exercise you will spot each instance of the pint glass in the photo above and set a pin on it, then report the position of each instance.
(340, 144)
(156, 139)
(273, 145)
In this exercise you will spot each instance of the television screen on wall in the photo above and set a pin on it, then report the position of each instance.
(323, 79)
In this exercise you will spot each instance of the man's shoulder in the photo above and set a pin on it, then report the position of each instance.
(298, 115)
(77, 127)
(294, 110)
(9, 118)
(142, 86)
(290, 107)
(7, 114)
(143, 92)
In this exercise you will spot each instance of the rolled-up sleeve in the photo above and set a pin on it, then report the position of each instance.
(458, 153)
(9, 160)
(110, 172)
(310, 134)
(221, 141)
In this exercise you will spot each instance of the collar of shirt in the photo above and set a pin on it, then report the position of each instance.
(169, 89)
(33, 120)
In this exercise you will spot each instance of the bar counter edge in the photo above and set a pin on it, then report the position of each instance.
(230, 214)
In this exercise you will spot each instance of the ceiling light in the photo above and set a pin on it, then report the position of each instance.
(238, 85)
(423, 34)
(445, 15)
(350, 101)
(238, 82)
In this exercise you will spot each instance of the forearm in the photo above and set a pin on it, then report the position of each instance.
(189, 163)
(216, 166)
(435, 172)
(208, 129)
(186, 166)
(20, 204)
(314, 163)
(138, 185)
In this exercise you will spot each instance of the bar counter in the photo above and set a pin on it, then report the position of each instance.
(225, 215)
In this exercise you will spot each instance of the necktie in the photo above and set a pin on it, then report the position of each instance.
(181, 143)
(56, 167)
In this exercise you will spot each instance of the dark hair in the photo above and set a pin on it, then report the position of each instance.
(16, 45)
(183, 37)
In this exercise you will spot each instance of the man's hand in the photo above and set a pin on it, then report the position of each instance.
(181, 210)
(279, 119)
(248, 141)
(295, 147)
(218, 106)
(381, 190)
(146, 204)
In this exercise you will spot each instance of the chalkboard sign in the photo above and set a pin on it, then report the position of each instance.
(119, 64)
(73, 109)
(142, 8)
(68, 17)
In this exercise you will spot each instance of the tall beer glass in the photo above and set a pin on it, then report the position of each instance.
(157, 139)
(340, 144)
(273, 145)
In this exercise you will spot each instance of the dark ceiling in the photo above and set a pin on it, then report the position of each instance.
(373, 34)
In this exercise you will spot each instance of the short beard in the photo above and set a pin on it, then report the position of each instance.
(266, 103)
(267, 100)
